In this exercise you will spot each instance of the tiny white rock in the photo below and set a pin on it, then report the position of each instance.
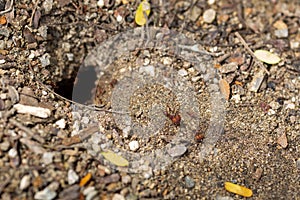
(100, 3)
(182, 72)
(134, 145)
(88, 190)
(72, 177)
(118, 197)
(12, 153)
(45, 194)
(209, 15)
(25, 182)
(47, 158)
(61, 123)
(33, 110)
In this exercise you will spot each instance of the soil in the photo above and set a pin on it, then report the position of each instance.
(53, 149)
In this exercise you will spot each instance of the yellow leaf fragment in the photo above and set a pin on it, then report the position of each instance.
(237, 189)
(266, 56)
(143, 8)
(224, 88)
(115, 159)
(85, 179)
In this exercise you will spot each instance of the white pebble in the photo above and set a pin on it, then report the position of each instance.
(134, 145)
(167, 61)
(290, 106)
(25, 182)
(12, 153)
(209, 16)
(47, 158)
(281, 33)
(45, 194)
(177, 150)
(91, 195)
(118, 197)
(100, 3)
(119, 18)
(210, 2)
(88, 190)
(182, 72)
(61, 123)
(271, 112)
(72, 177)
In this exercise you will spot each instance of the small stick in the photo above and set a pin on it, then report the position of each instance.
(8, 9)
(251, 52)
(33, 12)
(27, 130)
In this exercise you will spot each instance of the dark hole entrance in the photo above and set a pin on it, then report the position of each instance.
(80, 87)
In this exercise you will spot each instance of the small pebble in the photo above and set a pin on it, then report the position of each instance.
(61, 123)
(47, 158)
(4, 146)
(257, 174)
(91, 195)
(195, 13)
(118, 197)
(45, 60)
(148, 70)
(281, 33)
(88, 190)
(223, 198)
(167, 61)
(196, 78)
(209, 16)
(282, 29)
(134, 145)
(12, 153)
(189, 182)
(100, 3)
(182, 72)
(126, 179)
(227, 68)
(72, 177)
(210, 2)
(25, 182)
(177, 150)
(45, 194)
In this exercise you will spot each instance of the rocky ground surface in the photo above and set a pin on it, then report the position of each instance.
(51, 150)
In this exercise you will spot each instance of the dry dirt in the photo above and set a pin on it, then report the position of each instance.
(46, 155)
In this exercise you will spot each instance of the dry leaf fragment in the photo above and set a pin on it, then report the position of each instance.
(266, 56)
(115, 159)
(3, 20)
(224, 88)
(85, 179)
(143, 8)
(237, 189)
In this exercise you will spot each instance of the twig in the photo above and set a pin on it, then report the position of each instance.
(251, 52)
(33, 12)
(73, 102)
(8, 9)
(27, 130)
